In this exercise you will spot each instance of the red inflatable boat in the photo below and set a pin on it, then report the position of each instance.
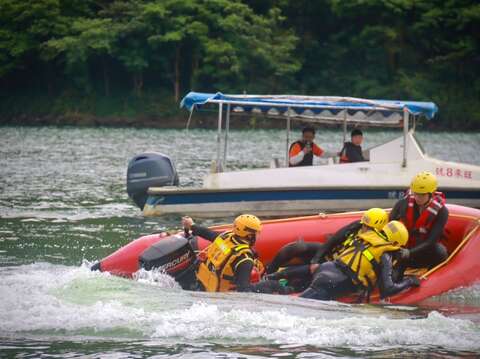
(462, 239)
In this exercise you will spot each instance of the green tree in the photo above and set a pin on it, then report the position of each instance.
(87, 38)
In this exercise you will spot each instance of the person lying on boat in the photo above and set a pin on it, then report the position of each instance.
(314, 253)
(302, 151)
(352, 150)
(425, 215)
(364, 263)
(227, 263)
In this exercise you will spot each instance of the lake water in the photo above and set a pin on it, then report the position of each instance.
(63, 204)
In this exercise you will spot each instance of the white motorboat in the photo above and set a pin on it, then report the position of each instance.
(378, 182)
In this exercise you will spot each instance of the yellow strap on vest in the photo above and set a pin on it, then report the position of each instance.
(240, 247)
(219, 242)
(368, 255)
(347, 242)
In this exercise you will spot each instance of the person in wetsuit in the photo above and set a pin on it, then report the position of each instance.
(313, 252)
(361, 265)
(352, 150)
(425, 215)
(228, 262)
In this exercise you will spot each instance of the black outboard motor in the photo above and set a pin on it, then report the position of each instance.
(150, 169)
(175, 256)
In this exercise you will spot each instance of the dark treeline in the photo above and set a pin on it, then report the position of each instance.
(134, 59)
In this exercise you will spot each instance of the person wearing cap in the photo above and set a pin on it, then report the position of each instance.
(302, 151)
(352, 150)
(363, 264)
(425, 215)
(228, 262)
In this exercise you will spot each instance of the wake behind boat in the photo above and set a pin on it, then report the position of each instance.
(152, 181)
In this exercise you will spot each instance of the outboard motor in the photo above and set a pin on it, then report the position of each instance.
(175, 256)
(150, 169)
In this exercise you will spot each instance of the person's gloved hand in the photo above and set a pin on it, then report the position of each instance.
(404, 253)
(414, 281)
(187, 222)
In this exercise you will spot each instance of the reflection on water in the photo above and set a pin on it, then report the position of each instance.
(63, 201)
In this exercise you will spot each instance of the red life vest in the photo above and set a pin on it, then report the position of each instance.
(421, 227)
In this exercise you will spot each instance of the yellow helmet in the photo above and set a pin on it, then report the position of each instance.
(424, 182)
(396, 233)
(375, 218)
(246, 224)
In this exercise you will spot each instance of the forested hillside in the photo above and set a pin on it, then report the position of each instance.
(130, 61)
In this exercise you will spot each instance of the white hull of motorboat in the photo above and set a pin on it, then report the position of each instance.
(378, 182)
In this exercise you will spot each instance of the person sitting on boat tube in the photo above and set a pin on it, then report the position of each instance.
(315, 253)
(227, 263)
(302, 151)
(425, 215)
(352, 150)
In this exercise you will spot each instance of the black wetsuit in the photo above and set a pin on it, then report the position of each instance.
(428, 252)
(243, 270)
(311, 252)
(335, 242)
(332, 280)
(301, 250)
(352, 152)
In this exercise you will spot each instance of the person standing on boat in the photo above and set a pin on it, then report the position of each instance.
(302, 151)
(229, 262)
(425, 215)
(352, 150)
(363, 264)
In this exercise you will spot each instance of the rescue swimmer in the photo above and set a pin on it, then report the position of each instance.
(314, 253)
(425, 215)
(364, 263)
(228, 263)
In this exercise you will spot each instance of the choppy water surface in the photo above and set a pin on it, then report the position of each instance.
(63, 204)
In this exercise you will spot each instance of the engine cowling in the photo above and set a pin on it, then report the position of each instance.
(150, 169)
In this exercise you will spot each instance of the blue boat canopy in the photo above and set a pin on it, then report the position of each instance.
(327, 109)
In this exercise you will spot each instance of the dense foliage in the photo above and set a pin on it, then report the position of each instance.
(136, 58)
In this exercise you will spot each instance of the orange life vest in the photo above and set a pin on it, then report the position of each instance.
(217, 272)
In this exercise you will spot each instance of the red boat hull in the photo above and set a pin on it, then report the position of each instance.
(462, 240)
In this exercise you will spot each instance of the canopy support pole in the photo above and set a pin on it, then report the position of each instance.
(287, 157)
(344, 126)
(219, 137)
(406, 117)
(225, 140)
